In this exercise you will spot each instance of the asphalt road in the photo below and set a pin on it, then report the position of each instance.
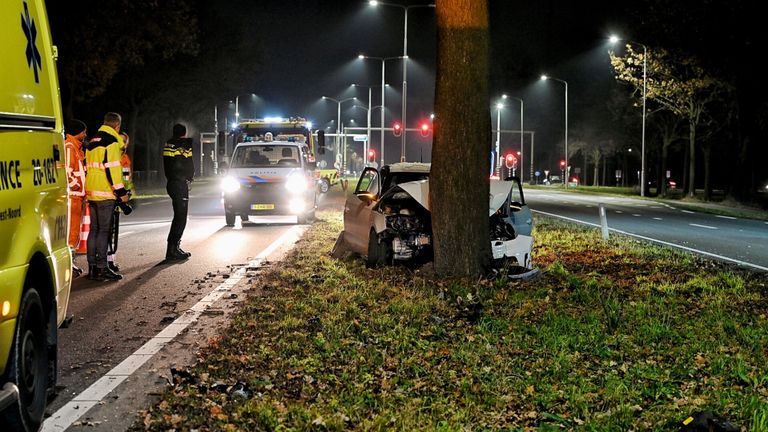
(742, 241)
(114, 319)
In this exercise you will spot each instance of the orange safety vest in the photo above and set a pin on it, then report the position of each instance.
(74, 157)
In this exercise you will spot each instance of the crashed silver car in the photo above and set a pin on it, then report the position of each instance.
(387, 218)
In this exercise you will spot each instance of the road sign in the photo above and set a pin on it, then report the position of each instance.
(357, 137)
(537, 173)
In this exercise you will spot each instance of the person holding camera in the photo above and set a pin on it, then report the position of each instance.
(122, 207)
(104, 188)
(179, 171)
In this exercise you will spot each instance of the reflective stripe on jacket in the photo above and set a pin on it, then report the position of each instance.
(104, 177)
(177, 160)
(74, 157)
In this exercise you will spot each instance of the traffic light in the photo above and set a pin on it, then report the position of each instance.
(562, 164)
(321, 141)
(371, 155)
(424, 129)
(510, 160)
(397, 129)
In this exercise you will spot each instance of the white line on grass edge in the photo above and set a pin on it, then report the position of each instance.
(701, 252)
(90, 397)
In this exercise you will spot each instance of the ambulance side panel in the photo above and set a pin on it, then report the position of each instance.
(33, 186)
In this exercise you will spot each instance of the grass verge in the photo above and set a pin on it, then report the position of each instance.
(616, 336)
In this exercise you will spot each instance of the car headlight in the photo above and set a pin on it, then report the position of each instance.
(230, 184)
(296, 182)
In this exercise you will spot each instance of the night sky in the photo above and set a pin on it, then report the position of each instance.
(564, 39)
(308, 49)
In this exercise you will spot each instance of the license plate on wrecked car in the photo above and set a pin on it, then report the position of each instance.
(262, 206)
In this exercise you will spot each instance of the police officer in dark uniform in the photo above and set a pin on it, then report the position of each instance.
(179, 171)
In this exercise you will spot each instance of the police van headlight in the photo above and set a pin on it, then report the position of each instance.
(296, 183)
(230, 184)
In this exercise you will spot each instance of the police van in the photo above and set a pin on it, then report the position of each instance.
(35, 261)
(270, 176)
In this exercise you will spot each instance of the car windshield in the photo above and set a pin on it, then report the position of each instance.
(266, 156)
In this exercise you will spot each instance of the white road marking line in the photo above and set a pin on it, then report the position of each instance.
(619, 211)
(726, 217)
(656, 207)
(657, 218)
(703, 226)
(636, 214)
(90, 397)
(126, 233)
(653, 240)
(687, 211)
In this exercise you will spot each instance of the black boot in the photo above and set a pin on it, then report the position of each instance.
(172, 253)
(76, 271)
(182, 251)
(110, 275)
(94, 273)
(113, 266)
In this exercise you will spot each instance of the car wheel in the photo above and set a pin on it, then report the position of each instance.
(230, 218)
(325, 185)
(28, 366)
(379, 252)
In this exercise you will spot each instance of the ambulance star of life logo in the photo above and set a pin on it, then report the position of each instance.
(30, 31)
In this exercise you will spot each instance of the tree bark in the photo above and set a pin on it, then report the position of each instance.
(692, 159)
(459, 180)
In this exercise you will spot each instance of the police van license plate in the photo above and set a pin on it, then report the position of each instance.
(262, 206)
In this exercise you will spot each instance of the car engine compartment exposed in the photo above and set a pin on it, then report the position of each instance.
(408, 226)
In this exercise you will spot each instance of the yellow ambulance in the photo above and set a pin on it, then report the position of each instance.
(35, 261)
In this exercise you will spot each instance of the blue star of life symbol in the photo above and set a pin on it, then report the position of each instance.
(30, 31)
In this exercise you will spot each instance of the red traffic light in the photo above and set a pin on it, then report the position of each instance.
(397, 129)
(371, 155)
(510, 160)
(562, 164)
(424, 129)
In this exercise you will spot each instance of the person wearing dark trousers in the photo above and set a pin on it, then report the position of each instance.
(104, 187)
(179, 171)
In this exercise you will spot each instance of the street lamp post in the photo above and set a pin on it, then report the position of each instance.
(368, 118)
(497, 157)
(405, 63)
(338, 122)
(383, 85)
(237, 106)
(545, 77)
(615, 39)
(522, 141)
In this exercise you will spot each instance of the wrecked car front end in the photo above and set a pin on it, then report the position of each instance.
(402, 223)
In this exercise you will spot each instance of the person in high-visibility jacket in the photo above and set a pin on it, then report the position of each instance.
(103, 184)
(75, 159)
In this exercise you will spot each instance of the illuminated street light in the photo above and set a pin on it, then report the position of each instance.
(544, 78)
(613, 40)
(405, 56)
(383, 85)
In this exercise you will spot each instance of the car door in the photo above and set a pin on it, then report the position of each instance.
(357, 210)
(519, 211)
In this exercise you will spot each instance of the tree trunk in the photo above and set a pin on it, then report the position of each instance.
(459, 182)
(707, 186)
(663, 174)
(692, 159)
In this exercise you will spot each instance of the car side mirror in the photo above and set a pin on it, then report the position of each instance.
(367, 197)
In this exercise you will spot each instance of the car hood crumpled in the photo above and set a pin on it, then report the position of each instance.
(499, 192)
(419, 191)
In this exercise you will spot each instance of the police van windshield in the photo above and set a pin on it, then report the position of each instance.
(266, 156)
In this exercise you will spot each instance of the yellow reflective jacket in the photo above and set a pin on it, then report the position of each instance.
(104, 173)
